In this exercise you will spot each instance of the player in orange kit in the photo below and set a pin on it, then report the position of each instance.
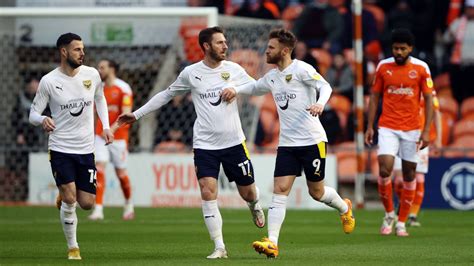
(401, 80)
(119, 100)
(422, 164)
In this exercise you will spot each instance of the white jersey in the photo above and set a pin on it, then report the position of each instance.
(294, 89)
(218, 123)
(71, 100)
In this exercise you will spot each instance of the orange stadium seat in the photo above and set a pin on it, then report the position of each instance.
(467, 108)
(446, 129)
(462, 128)
(378, 14)
(461, 147)
(448, 106)
(324, 59)
(249, 59)
(343, 106)
(346, 162)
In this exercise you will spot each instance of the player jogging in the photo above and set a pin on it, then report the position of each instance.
(71, 91)
(218, 137)
(119, 100)
(303, 142)
(401, 80)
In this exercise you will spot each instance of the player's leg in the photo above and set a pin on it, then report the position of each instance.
(398, 177)
(314, 164)
(119, 158)
(389, 144)
(421, 170)
(238, 167)
(63, 167)
(408, 155)
(102, 157)
(287, 167)
(207, 166)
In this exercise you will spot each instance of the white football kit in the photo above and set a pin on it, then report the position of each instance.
(71, 101)
(218, 123)
(294, 90)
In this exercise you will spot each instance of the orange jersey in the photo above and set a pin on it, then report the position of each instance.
(402, 87)
(118, 96)
(422, 115)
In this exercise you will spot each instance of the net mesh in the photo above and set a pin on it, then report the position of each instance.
(150, 51)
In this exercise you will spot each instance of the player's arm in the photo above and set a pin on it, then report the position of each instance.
(426, 85)
(37, 107)
(102, 111)
(438, 127)
(314, 80)
(425, 134)
(373, 104)
(179, 87)
(250, 88)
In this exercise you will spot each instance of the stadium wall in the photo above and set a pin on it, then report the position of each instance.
(169, 180)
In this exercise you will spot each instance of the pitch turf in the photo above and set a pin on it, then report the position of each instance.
(33, 235)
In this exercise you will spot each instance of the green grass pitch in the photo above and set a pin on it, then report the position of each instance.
(33, 235)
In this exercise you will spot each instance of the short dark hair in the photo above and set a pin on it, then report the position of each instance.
(401, 35)
(113, 64)
(284, 37)
(66, 39)
(206, 35)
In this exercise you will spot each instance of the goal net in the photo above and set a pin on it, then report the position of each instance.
(151, 45)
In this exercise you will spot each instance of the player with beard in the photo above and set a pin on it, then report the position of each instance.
(71, 90)
(217, 135)
(401, 80)
(301, 93)
(119, 100)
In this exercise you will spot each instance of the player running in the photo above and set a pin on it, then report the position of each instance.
(303, 142)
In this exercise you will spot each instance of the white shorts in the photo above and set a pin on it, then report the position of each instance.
(398, 143)
(421, 164)
(117, 152)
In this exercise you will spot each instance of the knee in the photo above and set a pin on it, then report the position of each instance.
(208, 193)
(86, 205)
(69, 198)
(384, 171)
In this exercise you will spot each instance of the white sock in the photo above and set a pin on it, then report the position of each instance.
(69, 222)
(276, 216)
(99, 208)
(213, 220)
(400, 225)
(252, 204)
(390, 214)
(332, 199)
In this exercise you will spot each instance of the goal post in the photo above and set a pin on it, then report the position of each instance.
(152, 45)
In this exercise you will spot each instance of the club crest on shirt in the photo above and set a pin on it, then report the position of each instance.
(87, 83)
(412, 74)
(225, 75)
(288, 77)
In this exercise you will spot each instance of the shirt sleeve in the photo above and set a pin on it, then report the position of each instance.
(426, 81)
(313, 79)
(101, 103)
(127, 98)
(39, 104)
(258, 87)
(242, 77)
(180, 86)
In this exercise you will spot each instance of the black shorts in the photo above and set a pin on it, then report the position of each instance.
(235, 161)
(78, 168)
(311, 159)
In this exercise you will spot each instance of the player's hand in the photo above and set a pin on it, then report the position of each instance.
(228, 95)
(369, 136)
(108, 136)
(127, 118)
(315, 109)
(424, 140)
(48, 124)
